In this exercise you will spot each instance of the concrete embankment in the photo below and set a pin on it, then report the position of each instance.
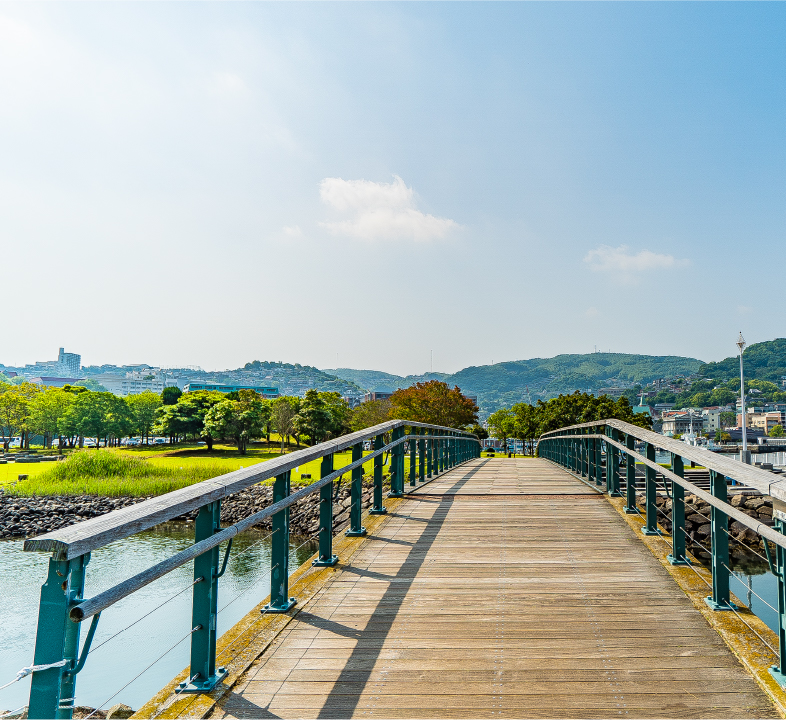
(22, 516)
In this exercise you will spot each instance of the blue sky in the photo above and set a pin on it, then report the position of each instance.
(213, 183)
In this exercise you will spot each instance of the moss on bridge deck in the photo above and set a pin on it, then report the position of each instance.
(505, 588)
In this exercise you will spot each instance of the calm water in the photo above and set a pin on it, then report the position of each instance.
(111, 666)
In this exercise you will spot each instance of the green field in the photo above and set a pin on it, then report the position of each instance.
(142, 472)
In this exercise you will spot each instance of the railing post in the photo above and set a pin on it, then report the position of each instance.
(397, 466)
(585, 470)
(630, 476)
(205, 606)
(422, 456)
(326, 557)
(650, 496)
(412, 474)
(378, 508)
(720, 546)
(430, 456)
(356, 492)
(677, 556)
(57, 639)
(280, 601)
(596, 443)
(613, 466)
(779, 671)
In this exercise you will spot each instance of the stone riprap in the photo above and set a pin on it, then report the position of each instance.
(27, 516)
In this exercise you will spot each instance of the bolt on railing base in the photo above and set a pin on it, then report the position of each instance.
(330, 562)
(279, 609)
(378, 511)
(395, 495)
(779, 677)
(644, 531)
(719, 606)
(202, 686)
(678, 561)
(615, 493)
(630, 511)
(356, 533)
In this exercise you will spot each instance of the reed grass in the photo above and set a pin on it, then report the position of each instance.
(103, 472)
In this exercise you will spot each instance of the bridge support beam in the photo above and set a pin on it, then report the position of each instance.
(422, 458)
(52, 690)
(280, 601)
(413, 481)
(326, 558)
(203, 672)
(630, 477)
(650, 496)
(678, 556)
(378, 508)
(356, 528)
(720, 546)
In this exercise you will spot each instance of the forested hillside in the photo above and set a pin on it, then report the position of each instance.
(763, 361)
(502, 384)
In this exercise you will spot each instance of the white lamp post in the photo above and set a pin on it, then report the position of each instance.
(744, 456)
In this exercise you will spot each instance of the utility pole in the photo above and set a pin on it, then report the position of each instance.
(744, 455)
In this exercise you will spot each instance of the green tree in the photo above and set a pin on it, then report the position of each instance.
(434, 402)
(170, 395)
(776, 431)
(187, 416)
(340, 413)
(144, 407)
(242, 419)
(15, 410)
(479, 431)
(526, 424)
(283, 411)
(313, 418)
(368, 414)
(502, 424)
(47, 409)
(99, 415)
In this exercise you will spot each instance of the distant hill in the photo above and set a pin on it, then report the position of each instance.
(763, 361)
(504, 383)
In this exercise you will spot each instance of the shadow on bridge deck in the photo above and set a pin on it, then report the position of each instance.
(505, 588)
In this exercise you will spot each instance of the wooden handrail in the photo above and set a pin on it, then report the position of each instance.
(762, 480)
(89, 535)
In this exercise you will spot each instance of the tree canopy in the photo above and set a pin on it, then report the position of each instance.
(434, 402)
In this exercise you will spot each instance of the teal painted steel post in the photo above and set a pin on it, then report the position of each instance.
(326, 557)
(650, 494)
(205, 605)
(678, 556)
(356, 528)
(429, 456)
(720, 546)
(422, 457)
(630, 477)
(413, 480)
(779, 671)
(585, 471)
(613, 453)
(57, 639)
(378, 508)
(280, 601)
(598, 462)
(397, 466)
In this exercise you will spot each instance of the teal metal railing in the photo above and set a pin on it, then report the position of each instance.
(597, 452)
(57, 659)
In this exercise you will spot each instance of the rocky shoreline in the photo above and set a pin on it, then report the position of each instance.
(698, 527)
(28, 516)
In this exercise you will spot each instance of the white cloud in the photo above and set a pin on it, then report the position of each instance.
(379, 211)
(292, 231)
(621, 261)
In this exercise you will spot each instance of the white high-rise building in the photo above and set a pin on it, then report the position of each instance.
(71, 363)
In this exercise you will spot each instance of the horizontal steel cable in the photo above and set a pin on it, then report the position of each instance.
(747, 587)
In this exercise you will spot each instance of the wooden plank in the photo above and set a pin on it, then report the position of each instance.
(479, 606)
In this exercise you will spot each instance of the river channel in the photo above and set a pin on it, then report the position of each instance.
(129, 658)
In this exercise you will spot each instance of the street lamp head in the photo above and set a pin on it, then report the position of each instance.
(741, 343)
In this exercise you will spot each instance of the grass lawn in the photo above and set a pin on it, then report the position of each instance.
(147, 471)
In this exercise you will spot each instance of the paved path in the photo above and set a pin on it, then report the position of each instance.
(505, 588)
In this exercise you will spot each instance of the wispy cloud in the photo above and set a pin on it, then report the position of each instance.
(379, 211)
(626, 264)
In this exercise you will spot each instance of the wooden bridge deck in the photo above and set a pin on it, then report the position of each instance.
(505, 588)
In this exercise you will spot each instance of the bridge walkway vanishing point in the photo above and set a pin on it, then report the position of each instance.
(504, 588)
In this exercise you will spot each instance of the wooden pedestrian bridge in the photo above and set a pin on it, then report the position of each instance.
(477, 588)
